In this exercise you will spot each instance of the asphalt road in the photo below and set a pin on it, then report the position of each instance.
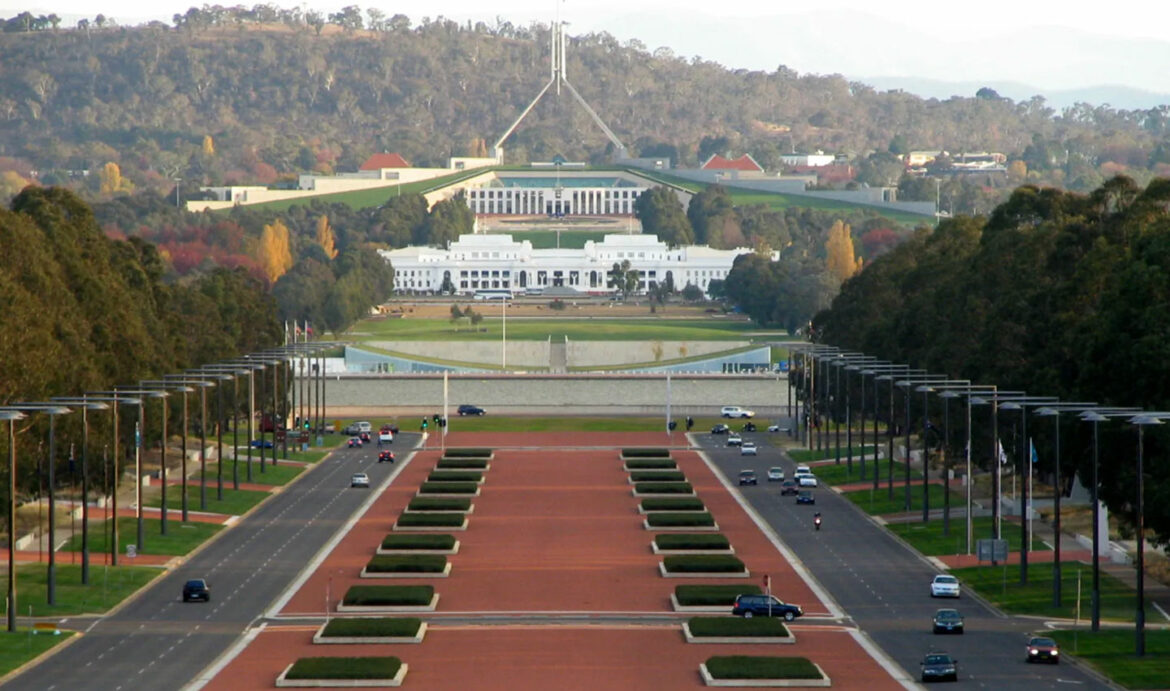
(159, 642)
(884, 586)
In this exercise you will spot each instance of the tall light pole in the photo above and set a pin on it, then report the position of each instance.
(11, 416)
(1141, 422)
(908, 383)
(139, 432)
(85, 404)
(165, 385)
(123, 399)
(1021, 404)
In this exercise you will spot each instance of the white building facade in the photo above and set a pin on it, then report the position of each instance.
(498, 262)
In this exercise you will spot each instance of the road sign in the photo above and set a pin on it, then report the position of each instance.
(131, 551)
(991, 550)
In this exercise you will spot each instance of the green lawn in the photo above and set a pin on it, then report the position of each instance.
(808, 455)
(279, 474)
(108, 585)
(928, 538)
(234, 502)
(878, 503)
(583, 329)
(180, 539)
(22, 646)
(1001, 586)
(1111, 652)
(840, 475)
(361, 199)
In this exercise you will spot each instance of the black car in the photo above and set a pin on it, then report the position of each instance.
(470, 410)
(948, 621)
(748, 477)
(939, 667)
(720, 429)
(805, 496)
(196, 589)
(748, 606)
(789, 487)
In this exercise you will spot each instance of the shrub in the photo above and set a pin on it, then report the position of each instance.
(673, 504)
(703, 563)
(455, 476)
(446, 463)
(448, 488)
(657, 476)
(689, 541)
(663, 488)
(737, 626)
(379, 626)
(713, 595)
(395, 541)
(467, 453)
(651, 464)
(389, 595)
(645, 453)
(344, 668)
(693, 519)
(406, 563)
(557, 304)
(756, 667)
(430, 520)
(438, 504)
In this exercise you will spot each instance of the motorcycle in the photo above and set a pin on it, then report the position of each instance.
(817, 520)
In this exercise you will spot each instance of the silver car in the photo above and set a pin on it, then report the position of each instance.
(359, 480)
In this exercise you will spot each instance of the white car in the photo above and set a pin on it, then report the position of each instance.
(734, 440)
(805, 479)
(775, 474)
(736, 411)
(944, 586)
(776, 428)
(803, 470)
(747, 449)
(359, 480)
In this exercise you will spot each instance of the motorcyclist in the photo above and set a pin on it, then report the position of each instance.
(817, 520)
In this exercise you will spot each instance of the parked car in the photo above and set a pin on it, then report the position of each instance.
(736, 411)
(354, 443)
(748, 606)
(359, 480)
(747, 449)
(196, 589)
(944, 586)
(805, 497)
(788, 487)
(749, 427)
(948, 621)
(466, 409)
(386, 457)
(734, 439)
(330, 428)
(939, 667)
(1042, 649)
(775, 474)
(261, 443)
(748, 477)
(720, 429)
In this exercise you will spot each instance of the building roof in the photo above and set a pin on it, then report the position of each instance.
(745, 162)
(380, 161)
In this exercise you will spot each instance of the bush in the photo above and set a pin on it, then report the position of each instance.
(389, 595)
(645, 453)
(703, 563)
(663, 488)
(755, 667)
(693, 519)
(344, 668)
(651, 464)
(394, 541)
(689, 541)
(430, 520)
(450, 463)
(448, 488)
(438, 504)
(467, 453)
(657, 476)
(455, 476)
(406, 563)
(673, 504)
(713, 595)
(381, 626)
(557, 304)
(737, 626)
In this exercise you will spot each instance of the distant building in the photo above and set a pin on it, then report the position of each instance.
(384, 160)
(816, 160)
(918, 159)
(744, 163)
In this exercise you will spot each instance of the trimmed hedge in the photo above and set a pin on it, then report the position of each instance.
(396, 541)
(651, 464)
(692, 519)
(445, 462)
(657, 476)
(406, 563)
(673, 504)
(389, 595)
(713, 595)
(467, 453)
(737, 626)
(689, 541)
(646, 453)
(455, 476)
(758, 667)
(399, 627)
(663, 488)
(438, 504)
(448, 488)
(344, 668)
(430, 520)
(703, 563)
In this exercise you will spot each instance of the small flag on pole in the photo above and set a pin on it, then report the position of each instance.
(1032, 447)
(1003, 458)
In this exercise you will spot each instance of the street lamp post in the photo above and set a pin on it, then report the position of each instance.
(1025, 471)
(86, 404)
(139, 431)
(1141, 422)
(11, 416)
(908, 384)
(116, 475)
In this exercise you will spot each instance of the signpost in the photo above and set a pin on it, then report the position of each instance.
(991, 550)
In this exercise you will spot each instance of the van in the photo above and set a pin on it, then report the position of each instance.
(359, 427)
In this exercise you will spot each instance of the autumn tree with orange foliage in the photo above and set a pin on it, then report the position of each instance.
(841, 260)
(275, 254)
(325, 236)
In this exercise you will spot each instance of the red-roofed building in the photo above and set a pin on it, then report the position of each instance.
(380, 161)
(744, 163)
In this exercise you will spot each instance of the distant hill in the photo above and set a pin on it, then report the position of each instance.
(1121, 97)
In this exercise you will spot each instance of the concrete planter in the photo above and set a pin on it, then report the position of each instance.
(698, 609)
(746, 573)
(681, 528)
(628, 469)
(282, 682)
(644, 512)
(824, 681)
(327, 640)
(428, 528)
(390, 609)
(655, 495)
(455, 495)
(453, 550)
(680, 552)
(470, 509)
(408, 574)
(734, 639)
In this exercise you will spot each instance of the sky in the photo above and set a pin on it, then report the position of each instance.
(1043, 45)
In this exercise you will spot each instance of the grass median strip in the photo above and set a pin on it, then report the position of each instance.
(712, 595)
(375, 627)
(657, 476)
(180, 539)
(280, 474)
(762, 667)
(737, 627)
(1001, 586)
(673, 504)
(929, 539)
(23, 645)
(419, 542)
(878, 503)
(1111, 653)
(680, 520)
(841, 474)
(344, 668)
(389, 596)
(406, 563)
(108, 585)
(703, 563)
(810, 455)
(235, 502)
(681, 541)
